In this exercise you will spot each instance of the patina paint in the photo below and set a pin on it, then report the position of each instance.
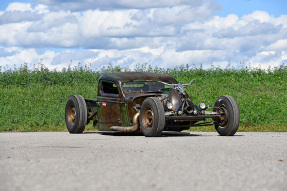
(119, 109)
(108, 112)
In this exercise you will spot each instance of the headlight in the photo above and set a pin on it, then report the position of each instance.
(202, 106)
(169, 105)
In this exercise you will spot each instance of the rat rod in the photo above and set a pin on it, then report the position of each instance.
(149, 103)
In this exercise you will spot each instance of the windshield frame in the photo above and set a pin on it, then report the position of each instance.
(144, 87)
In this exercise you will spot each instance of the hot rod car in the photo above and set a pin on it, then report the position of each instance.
(149, 103)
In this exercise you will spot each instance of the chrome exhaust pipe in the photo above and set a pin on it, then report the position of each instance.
(130, 128)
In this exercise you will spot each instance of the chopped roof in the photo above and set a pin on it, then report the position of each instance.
(137, 76)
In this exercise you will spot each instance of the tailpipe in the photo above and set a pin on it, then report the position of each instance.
(130, 128)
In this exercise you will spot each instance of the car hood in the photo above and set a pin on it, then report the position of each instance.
(130, 97)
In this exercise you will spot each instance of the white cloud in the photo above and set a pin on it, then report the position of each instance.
(163, 33)
(280, 44)
(18, 17)
(261, 16)
(122, 4)
(9, 32)
(41, 9)
(19, 7)
(106, 24)
(54, 20)
(268, 59)
(19, 57)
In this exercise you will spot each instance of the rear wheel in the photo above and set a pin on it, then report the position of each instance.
(152, 119)
(76, 114)
(227, 122)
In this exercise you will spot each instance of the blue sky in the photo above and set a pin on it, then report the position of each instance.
(160, 33)
(5, 3)
(242, 7)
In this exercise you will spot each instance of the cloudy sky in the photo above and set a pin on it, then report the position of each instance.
(163, 33)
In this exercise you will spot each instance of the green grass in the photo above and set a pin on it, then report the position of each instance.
(34, 100)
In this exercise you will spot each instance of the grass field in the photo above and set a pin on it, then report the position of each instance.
(34, 100)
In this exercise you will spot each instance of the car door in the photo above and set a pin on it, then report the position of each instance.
(109, 105)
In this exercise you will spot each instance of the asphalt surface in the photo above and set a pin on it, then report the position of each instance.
(119, 161)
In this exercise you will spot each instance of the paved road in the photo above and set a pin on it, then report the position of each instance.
(117, 161)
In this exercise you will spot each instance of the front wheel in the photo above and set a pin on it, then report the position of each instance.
(227, 121)
(152, 119)
(76, 114)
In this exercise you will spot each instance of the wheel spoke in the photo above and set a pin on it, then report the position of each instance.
(148, 118)
(72, 114)
(222, 116)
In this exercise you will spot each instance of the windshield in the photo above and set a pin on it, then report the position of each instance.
(146, 86)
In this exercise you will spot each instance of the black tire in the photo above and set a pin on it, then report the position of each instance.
(76, 114)
(229, 116)
(152, 119)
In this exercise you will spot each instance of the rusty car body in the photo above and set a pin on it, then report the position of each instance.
(149, 103)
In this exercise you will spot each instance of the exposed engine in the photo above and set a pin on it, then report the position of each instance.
(178, 102)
